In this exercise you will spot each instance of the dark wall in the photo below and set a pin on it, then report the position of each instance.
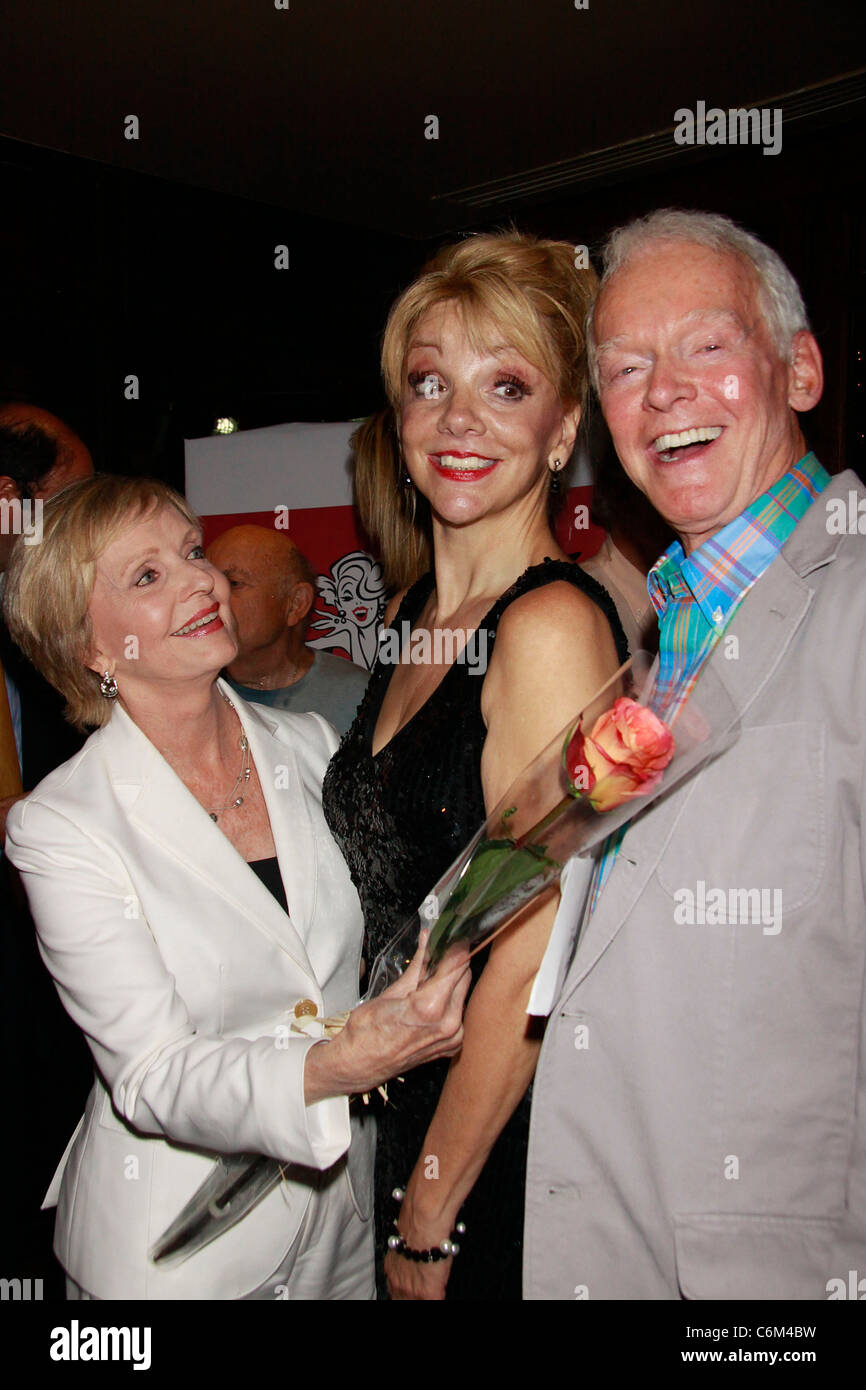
(108, 273)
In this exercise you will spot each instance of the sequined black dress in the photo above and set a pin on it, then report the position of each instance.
(400, 818)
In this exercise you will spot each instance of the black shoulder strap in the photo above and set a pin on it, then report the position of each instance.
(548, 572)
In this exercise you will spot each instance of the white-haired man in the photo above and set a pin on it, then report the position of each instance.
(699, 1112)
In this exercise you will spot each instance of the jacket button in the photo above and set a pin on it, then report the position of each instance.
(305, 1008)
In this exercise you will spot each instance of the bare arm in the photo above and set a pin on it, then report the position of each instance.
(553, 652)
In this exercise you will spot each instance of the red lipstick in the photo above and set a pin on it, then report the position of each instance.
(205, 629)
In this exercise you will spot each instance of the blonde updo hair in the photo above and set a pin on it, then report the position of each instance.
(509, 288)
(49, 585)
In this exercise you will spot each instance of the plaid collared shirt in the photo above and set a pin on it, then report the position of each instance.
(696, 596)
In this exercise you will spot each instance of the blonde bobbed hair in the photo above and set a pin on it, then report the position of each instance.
(509, 288)
(49, 585)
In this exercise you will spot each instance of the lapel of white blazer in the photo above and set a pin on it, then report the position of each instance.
(159, 805)
(765, 625)
(286, 801)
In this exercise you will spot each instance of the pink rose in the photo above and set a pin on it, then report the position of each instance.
(623, 757)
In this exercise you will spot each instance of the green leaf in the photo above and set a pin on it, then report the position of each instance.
(495, 870)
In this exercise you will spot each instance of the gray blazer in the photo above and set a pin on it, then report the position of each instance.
(699, 1111)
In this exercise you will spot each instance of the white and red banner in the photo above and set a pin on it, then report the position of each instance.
(298, 478)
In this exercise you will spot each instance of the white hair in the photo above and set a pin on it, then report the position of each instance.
(779, 297)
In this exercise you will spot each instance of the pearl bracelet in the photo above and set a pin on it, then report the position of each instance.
(446, 1247)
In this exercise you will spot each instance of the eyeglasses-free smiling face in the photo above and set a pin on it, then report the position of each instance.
(692, 387)
(480, 426)
(153, 584)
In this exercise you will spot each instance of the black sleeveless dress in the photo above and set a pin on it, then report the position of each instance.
(400, 818)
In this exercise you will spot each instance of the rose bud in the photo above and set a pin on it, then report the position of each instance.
(623, 757)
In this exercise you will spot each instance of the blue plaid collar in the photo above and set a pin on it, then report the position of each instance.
(724, 568)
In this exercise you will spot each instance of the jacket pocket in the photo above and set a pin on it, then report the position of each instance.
(359, 1163)
(752, 1257)
(53, 1194)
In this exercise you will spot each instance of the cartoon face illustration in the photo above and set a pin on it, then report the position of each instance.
(355, 588)
(359, 590)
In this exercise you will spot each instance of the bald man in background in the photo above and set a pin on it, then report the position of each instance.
(272, 592)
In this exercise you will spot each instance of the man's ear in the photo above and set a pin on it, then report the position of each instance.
(806, 372)
(9, 489)
(299, 604)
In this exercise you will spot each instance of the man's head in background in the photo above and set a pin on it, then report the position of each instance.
(272, 592)
(39, 455)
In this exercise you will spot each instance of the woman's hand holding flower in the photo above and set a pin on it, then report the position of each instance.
(410, 1023)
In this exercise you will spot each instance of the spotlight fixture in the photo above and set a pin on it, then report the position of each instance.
(225, 424)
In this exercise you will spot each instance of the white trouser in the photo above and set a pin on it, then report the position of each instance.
(331, 1257)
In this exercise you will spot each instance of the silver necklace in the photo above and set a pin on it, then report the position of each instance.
(243, 776)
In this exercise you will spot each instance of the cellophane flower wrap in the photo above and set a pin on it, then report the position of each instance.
(596, 774)
(589, 780)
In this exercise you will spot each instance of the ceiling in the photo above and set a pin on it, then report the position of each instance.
(321, 106)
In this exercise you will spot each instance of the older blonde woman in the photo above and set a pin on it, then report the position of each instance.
(485, 368)
(190, 903)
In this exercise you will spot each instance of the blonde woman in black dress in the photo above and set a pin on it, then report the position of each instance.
(484, 364)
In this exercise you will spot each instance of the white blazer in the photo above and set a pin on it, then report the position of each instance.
(183, 972)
